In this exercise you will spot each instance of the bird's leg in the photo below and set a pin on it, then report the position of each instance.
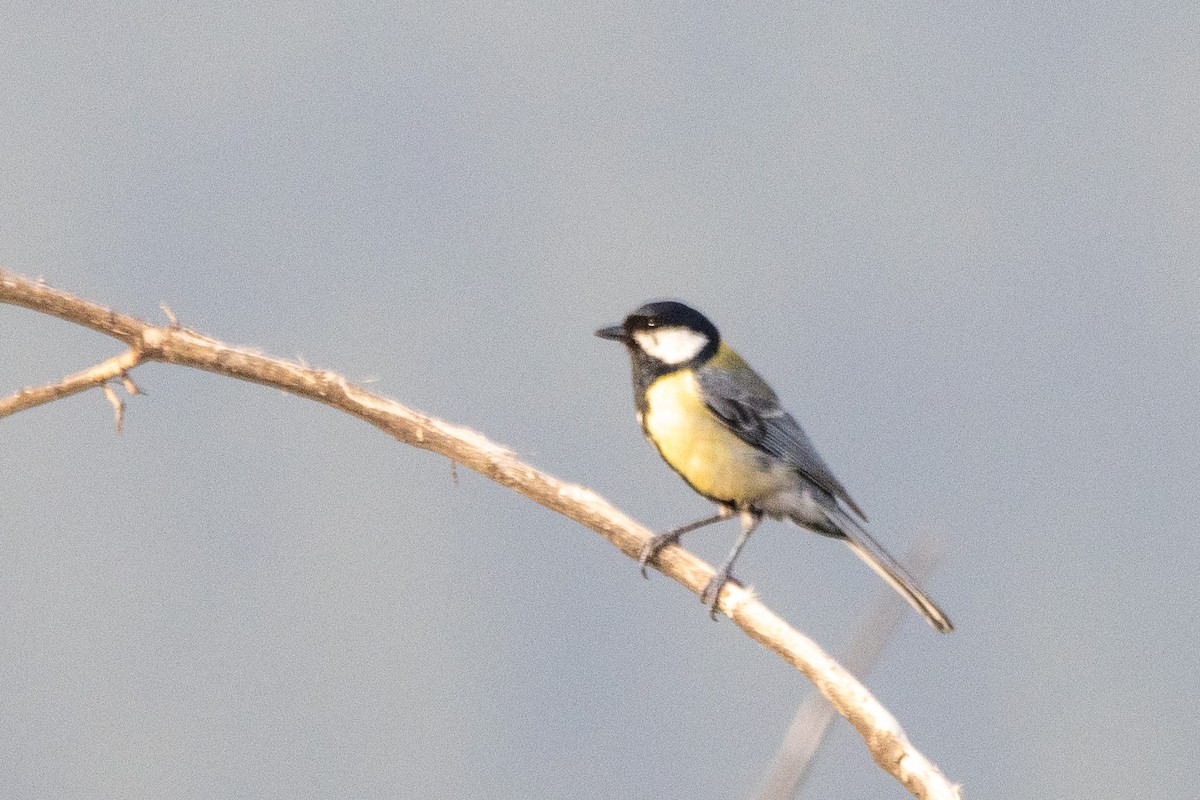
(651, 549)
(712, 591)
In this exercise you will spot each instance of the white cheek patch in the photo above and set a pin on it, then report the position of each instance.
(671, 345)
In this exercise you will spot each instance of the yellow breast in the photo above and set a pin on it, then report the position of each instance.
(698, 446)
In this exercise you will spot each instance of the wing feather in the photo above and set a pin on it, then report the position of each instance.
(745, 403)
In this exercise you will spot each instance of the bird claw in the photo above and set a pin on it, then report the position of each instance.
(712, 591)
(651, 549)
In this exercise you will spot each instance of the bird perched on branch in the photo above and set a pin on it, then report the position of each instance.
(720, 426)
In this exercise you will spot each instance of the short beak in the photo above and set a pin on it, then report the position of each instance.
(614, 332)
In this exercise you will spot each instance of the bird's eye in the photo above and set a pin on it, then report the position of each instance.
(651, 323)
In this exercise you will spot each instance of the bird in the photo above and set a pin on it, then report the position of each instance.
(722, 429)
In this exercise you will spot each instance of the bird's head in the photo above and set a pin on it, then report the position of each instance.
(668, 333)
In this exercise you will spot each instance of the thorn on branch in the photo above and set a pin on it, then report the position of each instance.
(166, 309)
(131, 388)
(118, 405)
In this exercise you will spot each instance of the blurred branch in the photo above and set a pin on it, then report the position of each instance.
(811, 722)
(98, 375)
(177, 345)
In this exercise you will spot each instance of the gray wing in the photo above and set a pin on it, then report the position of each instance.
(751, 411)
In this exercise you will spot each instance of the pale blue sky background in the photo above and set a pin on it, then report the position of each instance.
(960, 240)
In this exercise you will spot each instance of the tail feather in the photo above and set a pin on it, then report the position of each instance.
(878, 559)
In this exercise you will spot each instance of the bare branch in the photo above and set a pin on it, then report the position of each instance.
(98, 375)
(176, 345)
(812, 719)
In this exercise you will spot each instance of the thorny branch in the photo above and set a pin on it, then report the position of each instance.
(178, 345)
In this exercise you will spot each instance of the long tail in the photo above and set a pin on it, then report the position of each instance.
(878, 559)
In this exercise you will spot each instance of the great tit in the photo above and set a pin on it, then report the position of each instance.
(719, 425)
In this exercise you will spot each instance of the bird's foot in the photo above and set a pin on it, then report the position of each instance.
(651, 549)
(712, 591)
